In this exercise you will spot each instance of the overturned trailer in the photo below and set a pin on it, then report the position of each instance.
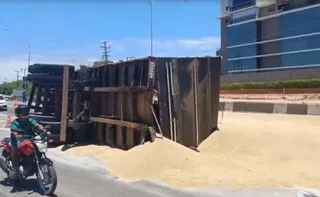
(122, 104)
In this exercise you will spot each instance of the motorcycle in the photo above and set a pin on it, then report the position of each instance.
(33, 161)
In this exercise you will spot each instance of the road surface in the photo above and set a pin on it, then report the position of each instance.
(86, 177)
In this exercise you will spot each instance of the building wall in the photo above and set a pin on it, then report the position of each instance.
(224, 4)
(242, 50)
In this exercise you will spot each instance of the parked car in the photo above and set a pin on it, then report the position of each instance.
(3, 103)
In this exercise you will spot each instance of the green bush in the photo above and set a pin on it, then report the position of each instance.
(298, 83)
(8, 87)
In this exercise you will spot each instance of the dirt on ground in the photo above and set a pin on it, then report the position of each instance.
(282, 97)
(250, 150)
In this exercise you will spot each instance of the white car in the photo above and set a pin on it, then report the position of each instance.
(3, 103)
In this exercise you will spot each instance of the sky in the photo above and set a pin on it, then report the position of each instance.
(70, 32)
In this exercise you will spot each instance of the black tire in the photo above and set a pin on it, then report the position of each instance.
(40, 118)
(44, 78)
(53, 175)
(53, 69)
(44, 82)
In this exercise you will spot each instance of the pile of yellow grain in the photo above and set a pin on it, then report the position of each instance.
(250, 150)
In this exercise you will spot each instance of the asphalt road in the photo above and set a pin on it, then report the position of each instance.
(86, 177)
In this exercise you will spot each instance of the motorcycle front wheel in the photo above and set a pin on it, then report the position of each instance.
(49, 182)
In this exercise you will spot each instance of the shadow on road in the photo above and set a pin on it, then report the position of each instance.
(29, 185)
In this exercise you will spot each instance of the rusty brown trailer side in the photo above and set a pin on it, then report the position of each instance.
(189, 90)
(120, 104)
(126, 100)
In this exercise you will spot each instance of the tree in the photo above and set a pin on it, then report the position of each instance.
(8, 87)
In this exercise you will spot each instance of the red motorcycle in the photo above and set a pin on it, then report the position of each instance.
(33, 161)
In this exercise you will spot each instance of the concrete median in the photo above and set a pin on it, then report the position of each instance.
(271, 107)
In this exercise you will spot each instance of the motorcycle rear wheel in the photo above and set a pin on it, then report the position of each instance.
(48, 189)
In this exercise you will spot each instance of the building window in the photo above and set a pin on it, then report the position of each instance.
(242, 34)
(243, 16)
(301, 59)
(272, 8)
(302, 43)
(239, 65)
(294, 4)
(300, 22)
(245, 51)
(241, 4)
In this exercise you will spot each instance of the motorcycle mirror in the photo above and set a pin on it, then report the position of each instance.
(47, 127)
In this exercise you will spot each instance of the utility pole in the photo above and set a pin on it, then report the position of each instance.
(151, 3)
(106, 48)
(24, 75)
(18, 76)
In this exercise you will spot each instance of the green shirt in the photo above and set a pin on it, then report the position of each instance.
(23, 127)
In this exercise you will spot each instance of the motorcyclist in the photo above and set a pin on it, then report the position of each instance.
(22, 125)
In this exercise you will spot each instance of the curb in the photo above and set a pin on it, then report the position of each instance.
(271, 108)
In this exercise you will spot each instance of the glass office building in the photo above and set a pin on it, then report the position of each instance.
(269, 34)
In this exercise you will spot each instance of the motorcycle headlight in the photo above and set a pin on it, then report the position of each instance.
(43, 147)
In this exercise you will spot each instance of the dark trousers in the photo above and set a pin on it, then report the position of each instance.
(14, 152)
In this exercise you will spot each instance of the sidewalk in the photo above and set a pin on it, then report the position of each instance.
(271, 106)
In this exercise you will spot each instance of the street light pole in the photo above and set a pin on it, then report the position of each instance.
(29, 53)
(28, 42)
(151, 26)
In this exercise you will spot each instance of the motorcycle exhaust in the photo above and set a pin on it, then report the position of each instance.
(4, 166)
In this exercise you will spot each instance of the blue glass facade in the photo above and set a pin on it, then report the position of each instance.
(242, 64)
(244, 51)
(301, 59)
(292, 24)
(300, 23)
(242, 34)
(242, 19)
(240, 4)
(302, 43)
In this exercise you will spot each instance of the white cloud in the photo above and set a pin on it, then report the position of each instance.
(116, 46)
(180, 47)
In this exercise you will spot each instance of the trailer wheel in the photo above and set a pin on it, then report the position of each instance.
(40, 118)
(44, 78)
(53, 69)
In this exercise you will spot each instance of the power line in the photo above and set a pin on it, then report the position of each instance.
(106, 48)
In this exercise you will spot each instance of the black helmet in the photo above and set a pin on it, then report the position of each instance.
(22, 110)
